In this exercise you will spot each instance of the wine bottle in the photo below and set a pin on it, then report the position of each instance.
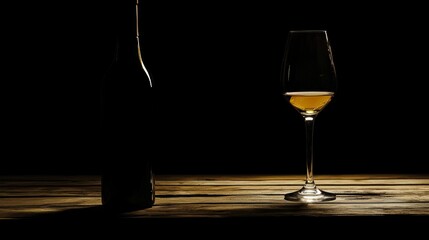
(127, 180)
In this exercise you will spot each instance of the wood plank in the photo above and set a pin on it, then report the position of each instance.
(285, 182)
(223, 196)
(235, 180)
(258, 177)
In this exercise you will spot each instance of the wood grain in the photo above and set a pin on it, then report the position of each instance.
(215, 196)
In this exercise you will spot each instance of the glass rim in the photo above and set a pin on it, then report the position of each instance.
(304, 31)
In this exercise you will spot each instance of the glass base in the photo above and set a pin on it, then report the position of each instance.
(310, 194)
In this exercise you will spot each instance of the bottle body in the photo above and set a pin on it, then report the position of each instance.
(127, 119)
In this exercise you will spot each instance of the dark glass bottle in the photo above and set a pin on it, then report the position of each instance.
(127, 118)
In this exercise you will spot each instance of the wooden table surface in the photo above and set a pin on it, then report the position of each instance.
(393, 198)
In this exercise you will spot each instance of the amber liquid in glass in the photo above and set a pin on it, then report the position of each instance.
(309, 103)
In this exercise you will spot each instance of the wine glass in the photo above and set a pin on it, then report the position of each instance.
(308, 83)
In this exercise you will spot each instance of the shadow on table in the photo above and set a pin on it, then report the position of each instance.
(95, 221)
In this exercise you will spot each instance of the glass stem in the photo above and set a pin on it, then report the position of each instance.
(309, 129)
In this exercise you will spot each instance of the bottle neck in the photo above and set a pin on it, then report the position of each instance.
(126, 19)
(126, 24)
(128, 38)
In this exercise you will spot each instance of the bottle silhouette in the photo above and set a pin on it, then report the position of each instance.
(127, 181)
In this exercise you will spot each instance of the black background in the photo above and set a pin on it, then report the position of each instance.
(216, 69)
